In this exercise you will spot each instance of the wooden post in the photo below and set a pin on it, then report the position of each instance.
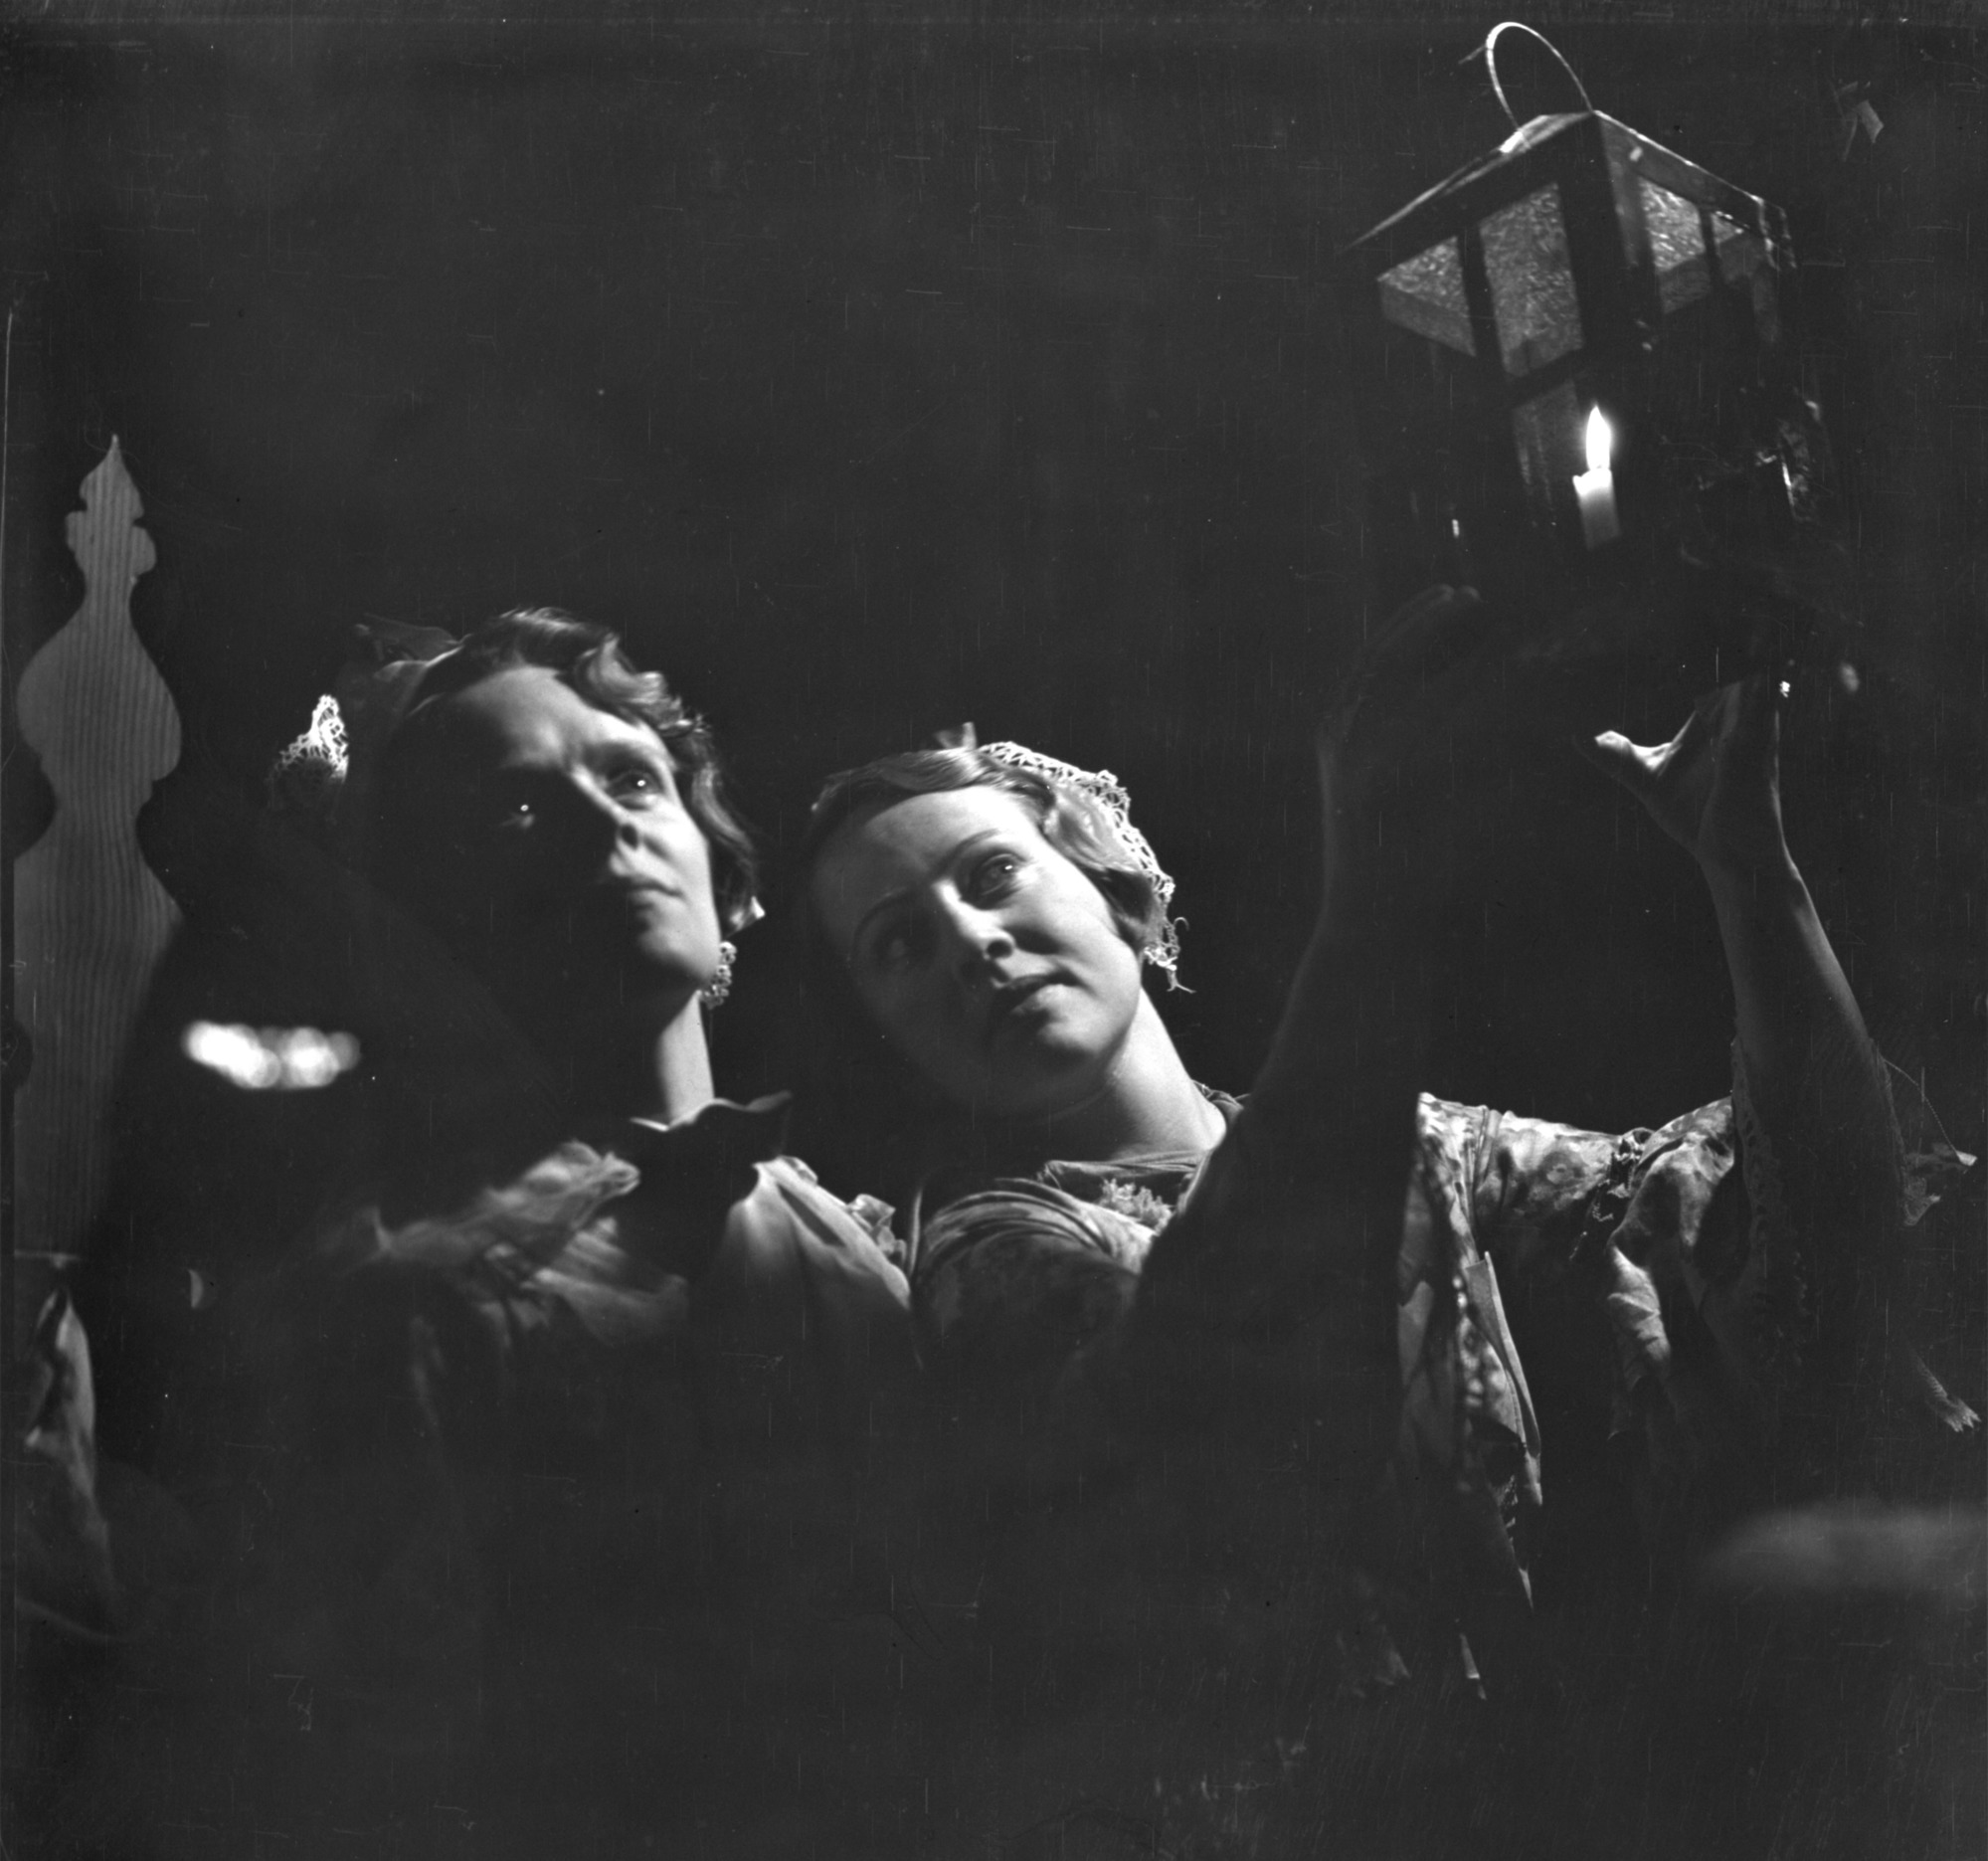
(91, 919)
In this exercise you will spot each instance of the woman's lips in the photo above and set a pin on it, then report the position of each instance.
(609, 906)
(1012, 996)
(636, 893)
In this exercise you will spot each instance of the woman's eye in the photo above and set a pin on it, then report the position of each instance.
(993, 877)
(636, 782)
(514, 810)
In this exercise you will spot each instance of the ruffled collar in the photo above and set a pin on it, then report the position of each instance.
(672, 1187)
(711, 1155)
(723, 1135)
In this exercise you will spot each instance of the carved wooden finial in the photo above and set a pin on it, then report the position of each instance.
(90, 918)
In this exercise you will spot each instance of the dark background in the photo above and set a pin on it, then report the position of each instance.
(874, 371)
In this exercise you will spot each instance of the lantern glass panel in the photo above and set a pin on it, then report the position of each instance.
(1677, 246)
(1739, 253)
(1532, 281)
(1552, 437)
(1743, 261)
(1425, 293)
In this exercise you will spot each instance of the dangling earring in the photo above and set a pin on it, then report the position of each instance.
(715, 992)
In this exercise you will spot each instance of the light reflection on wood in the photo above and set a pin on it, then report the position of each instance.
(91, 919)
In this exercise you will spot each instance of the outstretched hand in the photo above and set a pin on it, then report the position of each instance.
(1408, 698)
(1402, 759)
(1716, 787)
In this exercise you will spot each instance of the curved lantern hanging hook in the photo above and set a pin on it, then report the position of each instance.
(1489, 52)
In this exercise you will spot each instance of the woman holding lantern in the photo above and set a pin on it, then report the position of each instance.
(1092, 1227)
(1229, 1300)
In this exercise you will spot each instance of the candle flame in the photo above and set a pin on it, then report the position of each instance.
(1598, 442)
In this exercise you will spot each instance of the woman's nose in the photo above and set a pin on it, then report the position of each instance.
(596, 822)
(980, 940)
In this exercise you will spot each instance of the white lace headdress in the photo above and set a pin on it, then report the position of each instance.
(1108, 796)
(322, 774)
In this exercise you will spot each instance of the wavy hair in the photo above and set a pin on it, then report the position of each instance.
(590, 660)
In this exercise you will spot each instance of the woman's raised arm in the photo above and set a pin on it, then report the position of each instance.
(1284, 1257)
(1814, 1086)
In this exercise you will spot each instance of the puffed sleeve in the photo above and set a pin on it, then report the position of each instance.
(1016, 1280)
(1673, 1254)
(1649, 1250)
(1019, 1294)
(798, 1323)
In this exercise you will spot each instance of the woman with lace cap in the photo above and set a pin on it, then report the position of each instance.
(542, 1468)
(1114, 1269)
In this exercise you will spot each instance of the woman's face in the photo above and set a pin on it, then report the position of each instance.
(560, 857)
(991, 961)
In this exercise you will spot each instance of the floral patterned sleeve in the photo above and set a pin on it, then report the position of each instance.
(1649, 1234)
(1012, 1283)
(1673, 1250)
(1650, 1284)
(1660, 1271)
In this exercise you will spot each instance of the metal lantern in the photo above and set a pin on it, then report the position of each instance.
(1579, 358)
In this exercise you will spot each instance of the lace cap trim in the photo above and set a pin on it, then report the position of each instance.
(309, 772)
(1108, 795)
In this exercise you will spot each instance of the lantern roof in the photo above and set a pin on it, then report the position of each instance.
(1534, 152)
(1523, 137)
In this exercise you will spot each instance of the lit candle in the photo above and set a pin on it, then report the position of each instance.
(1595, 488)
